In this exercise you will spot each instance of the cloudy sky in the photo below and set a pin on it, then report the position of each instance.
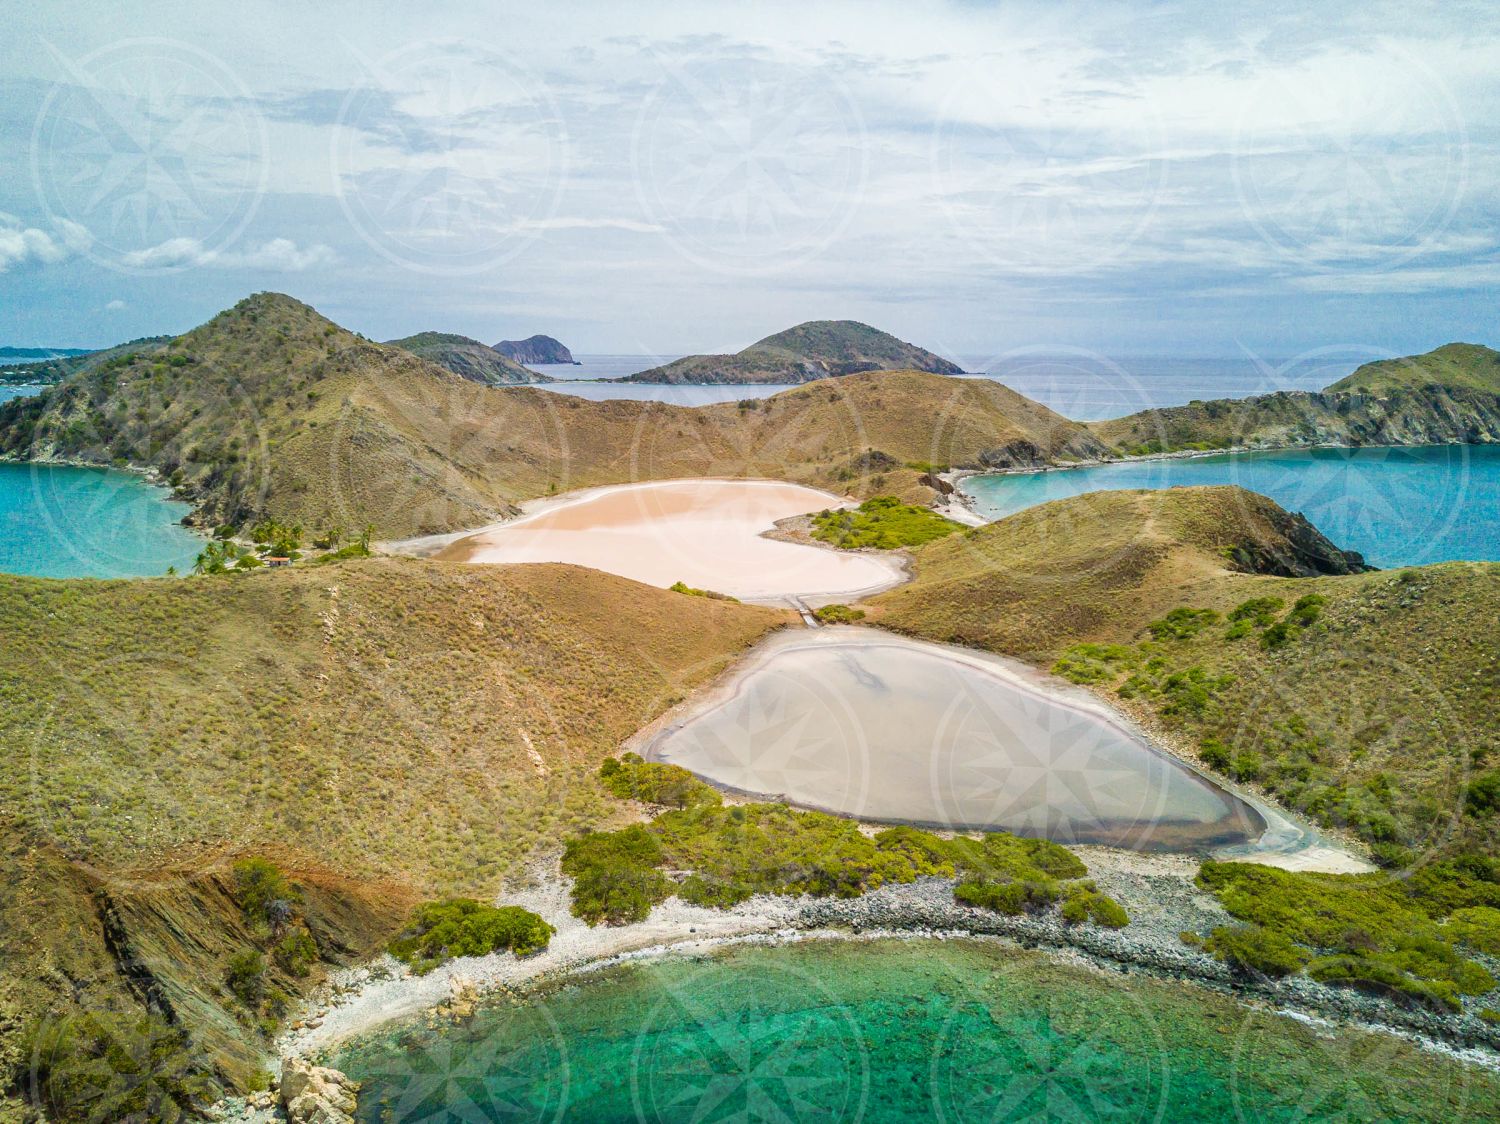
(630, 176)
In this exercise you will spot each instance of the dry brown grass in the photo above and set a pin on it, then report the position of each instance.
(276, 410)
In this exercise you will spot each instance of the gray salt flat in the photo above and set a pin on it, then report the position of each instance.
(881, 728)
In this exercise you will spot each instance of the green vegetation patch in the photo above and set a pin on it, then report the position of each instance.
(839, 614)
(1368, 931)
(881, 523)
(100, 1065)
(714, 855)
(683, 587)
(631, 777)
(439, 931)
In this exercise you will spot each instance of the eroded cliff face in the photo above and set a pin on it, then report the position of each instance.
(100, 966)
(1429, 415)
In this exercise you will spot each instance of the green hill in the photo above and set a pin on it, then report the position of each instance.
(469, 358)
(1367, 707)
(383, 730)
(1468, 366)
(270, 409)
(1447, 396)
(817, 349)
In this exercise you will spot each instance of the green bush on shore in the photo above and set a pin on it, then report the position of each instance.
(714, 855)
(839, 614)
(631, 777)
(1369, 931)
(881, 523)
(442, 930)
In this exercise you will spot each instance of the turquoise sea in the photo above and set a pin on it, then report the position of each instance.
(1397, 507)
(57, 521)
(953, 1031)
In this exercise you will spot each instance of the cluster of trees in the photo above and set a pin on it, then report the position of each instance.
(714, 855)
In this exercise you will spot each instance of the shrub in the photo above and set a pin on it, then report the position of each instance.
(1084, 902)
(1252, 948)
(683, 587)
(442, 930)
(1182, 623)
(1215, 754)
(615, 875)
(263, 892)
(1259, 611)
(881, 523)
(1379, 978)
(839, 614)
(1482, 795)
(1093, 663)
(633, 778)
(245, 975)
(297, 952)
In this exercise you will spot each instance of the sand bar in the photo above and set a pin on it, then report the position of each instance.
(707, 533)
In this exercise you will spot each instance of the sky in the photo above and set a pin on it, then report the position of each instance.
(657, 178)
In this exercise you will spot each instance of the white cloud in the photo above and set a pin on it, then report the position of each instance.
(114, 306)
(29, 246)
(580, 223)
(279, 255)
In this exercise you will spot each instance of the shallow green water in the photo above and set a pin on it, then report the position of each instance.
(895, 1031)
(1398, 507)
(57, 521)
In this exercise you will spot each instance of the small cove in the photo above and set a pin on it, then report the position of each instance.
(1396, 506)
(892, 1031)
(62, 521)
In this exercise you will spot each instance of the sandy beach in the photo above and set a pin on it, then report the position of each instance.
(704, 532)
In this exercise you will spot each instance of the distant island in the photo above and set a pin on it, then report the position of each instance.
(20, 354)
(536, 349)
(469, 358)
(817, 349)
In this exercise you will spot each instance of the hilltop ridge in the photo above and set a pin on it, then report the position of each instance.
(271, 409)
(817, 349)
(469, 358)
(1450, 395)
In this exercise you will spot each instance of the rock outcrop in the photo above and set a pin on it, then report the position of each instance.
(536, 349)
(312, 1094)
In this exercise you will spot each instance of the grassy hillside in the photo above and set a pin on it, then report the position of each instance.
(1369, 706)
(815, 350)
(269, 409)
(419, 727)
(1450, 395)
(469, 358)
(1468, 366)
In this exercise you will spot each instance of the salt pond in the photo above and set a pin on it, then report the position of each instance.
(707, 533)
(859, 722)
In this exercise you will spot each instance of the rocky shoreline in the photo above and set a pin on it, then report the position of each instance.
(1158, 892)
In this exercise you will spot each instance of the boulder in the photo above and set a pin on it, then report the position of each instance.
(312, 1094)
